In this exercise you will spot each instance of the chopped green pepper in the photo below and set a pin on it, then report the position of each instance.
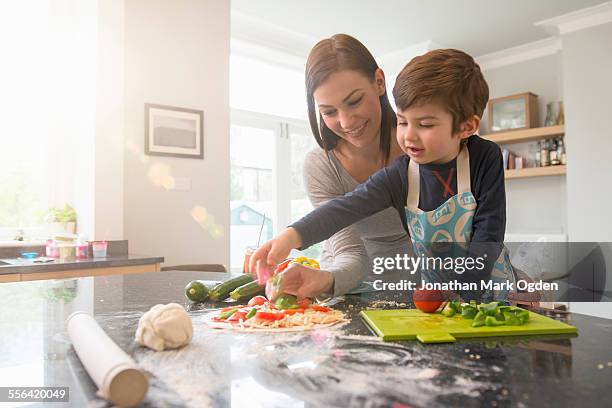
(489, 308)
(286, 302)
(455, 305)
(468, 312)
(511, 319)
(448, 310)
(251, 313)
(492, 321)
(479, 319)
(228, 313)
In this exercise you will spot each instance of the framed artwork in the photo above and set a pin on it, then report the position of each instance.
(513, 112)
(175, 132)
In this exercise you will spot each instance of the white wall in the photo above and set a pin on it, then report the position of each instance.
(533, 205)
(109, 143)
(587, 87)
(177, 53)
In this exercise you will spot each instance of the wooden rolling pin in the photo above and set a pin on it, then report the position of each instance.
(117, 376)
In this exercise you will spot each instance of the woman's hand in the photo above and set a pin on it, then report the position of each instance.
(276, 250)
(303, 281)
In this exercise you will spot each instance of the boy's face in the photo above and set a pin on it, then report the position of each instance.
(425, 134)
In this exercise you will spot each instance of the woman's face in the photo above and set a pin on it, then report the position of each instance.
(350, 106)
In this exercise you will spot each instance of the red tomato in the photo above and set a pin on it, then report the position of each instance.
(257, 301)
(426, 300)
(269, 315)
(293, 311)
(320, 308)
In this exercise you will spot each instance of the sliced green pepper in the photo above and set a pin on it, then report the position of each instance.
(228, 313)
(511, 319)
(468, 312)
(479, 319)
(251, 313)
(492, 321)
(448, 310)
(489, 308)
(455, 305)
(286, 302)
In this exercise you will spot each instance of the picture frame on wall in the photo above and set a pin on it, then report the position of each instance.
(173, 131)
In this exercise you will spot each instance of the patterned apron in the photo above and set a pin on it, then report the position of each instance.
(450, 223)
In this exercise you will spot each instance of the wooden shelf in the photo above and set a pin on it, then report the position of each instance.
(536, 172)
(526, 135)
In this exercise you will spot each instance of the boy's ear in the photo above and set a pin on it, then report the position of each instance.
(469, 127)
(379, 80)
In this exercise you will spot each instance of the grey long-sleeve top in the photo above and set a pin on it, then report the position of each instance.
(349, 253)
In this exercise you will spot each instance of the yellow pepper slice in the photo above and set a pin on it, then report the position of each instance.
(307, 262)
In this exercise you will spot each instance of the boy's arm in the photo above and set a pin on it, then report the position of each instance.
(368, 198)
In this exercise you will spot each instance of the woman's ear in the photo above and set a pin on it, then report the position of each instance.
(469, 127)
(379, 80)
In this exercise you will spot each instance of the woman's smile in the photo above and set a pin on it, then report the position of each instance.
(358, 131)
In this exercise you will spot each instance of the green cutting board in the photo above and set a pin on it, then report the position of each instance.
(410, 324)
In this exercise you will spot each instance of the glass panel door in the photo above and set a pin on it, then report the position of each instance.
(252, 148)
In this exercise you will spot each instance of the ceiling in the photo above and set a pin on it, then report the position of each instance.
(478, 27)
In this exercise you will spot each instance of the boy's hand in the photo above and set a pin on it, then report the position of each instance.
(276, 250)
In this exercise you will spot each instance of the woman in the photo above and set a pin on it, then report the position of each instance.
(354, 125)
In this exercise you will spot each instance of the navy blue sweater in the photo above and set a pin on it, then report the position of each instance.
(388, 187)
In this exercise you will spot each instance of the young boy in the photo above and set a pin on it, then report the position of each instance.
(449, 187)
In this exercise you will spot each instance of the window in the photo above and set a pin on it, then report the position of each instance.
(48, 109)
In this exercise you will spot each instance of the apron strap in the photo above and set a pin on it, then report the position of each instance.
(414, 185)
(463, 177)
(463, 170)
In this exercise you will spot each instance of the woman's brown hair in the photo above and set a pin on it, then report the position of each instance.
(337, 53)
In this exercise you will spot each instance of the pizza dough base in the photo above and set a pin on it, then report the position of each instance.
(236, 328)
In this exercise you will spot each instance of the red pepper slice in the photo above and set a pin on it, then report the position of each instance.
(320, 308)
(239, 315)
(293, 311)
(282, 266)
(257, 300)
(269, 315)
(225, 309)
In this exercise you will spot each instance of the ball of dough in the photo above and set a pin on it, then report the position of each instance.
(165, 327)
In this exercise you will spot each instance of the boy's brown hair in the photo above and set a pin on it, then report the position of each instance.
(446, 76)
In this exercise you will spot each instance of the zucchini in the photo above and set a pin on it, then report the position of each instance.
(247, 291)
(222, 290)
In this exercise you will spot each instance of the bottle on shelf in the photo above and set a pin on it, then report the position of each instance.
(544, 154)
(553, 157)
(561, 152)
(537, 161)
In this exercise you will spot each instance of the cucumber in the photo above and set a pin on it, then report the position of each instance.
(222, 290)
(196, 291)
(247, 291)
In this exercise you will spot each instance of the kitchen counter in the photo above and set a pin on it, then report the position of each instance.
(118, 261)
(344, 367)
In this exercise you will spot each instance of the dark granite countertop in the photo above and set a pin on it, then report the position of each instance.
(341, 367)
